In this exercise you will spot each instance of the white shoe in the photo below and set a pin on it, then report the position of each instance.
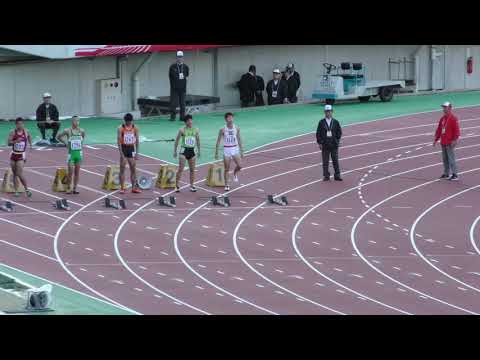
(235, 178)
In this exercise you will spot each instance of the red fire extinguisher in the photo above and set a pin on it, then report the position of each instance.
(470, 65)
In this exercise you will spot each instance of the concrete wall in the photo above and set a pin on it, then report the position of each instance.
(73, 82)
(308, 60)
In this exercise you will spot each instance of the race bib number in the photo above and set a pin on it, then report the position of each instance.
(274, 94)
(76, 144)
(190, 141)
(180, 76)
(20, 146)
(329, 134)
(129, 138)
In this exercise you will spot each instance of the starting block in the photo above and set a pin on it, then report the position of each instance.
(8, 206)
(61, 204)
(109, 203)
(275, 200)
(221, 201)
(170, 202)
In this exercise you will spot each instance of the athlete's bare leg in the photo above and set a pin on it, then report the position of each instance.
(69, 177)
(226, 162)
(76, 177)
(17, 172)
(181, 166)
(237, 161)
(191, 164)
(132, 164)
(123, 164)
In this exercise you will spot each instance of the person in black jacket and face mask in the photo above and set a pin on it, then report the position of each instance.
(48, 117)
(329, 133)
(178, 74)
(277, 89)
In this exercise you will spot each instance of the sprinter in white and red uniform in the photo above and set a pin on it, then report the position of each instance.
(232, 148)
(18, 139)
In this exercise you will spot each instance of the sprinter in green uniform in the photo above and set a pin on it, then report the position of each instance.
(73, 137)
(190, 137)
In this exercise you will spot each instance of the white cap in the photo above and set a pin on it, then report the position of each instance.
(446, 104)
(179, 53)
(276, 71)
(328, 108)
(47, 95)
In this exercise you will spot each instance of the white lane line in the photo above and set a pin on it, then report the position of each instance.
(26, 227)
(353, 239)
(28, 250)
(57, 255)
(295, 229)
(472, 235)
(422, 215)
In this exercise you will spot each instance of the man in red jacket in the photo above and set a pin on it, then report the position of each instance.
(448, 132)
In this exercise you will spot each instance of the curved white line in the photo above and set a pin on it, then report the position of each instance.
(62, 264)
(417, 220)
(235, 245)
(472, 236)
(352, 237)
(124, 263)
(301, 219)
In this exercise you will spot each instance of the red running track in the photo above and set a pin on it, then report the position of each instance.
(389, 239)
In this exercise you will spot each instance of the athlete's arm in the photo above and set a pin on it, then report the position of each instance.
(29, 138)
(119, 142)
(83, 134)
(175, 147)
(240, 141)
(10, 138)
(197, 135)
(220, 134)
(62, 135)
(137, 142)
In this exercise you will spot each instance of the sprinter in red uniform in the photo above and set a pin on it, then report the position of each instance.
(128, 142)
(18, 139)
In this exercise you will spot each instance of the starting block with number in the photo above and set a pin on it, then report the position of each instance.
(275, 200)
(167, 177)
(8, 206)
(109, 203)
(221, 201)
(170, 202)
(61, 204)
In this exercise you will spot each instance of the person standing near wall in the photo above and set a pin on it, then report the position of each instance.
(277, 89)
(292, 84)
(178, 74)
(247, 86)
(48, 117)
(448, 132)
(329, 133)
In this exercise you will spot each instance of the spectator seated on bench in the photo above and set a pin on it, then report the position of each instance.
(48, 118)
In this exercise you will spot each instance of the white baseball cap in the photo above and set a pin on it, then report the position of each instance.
(446, 104)
(179, 53)
(328, 108)
(47, 95)
(276, 71)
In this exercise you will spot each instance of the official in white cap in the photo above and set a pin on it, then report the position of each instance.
(48, 117)
(277, 89)
(178, 74)
(329, 133)
(448, 132)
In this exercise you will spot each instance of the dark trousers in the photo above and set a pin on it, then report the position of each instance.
(177, 98)
(327, 153)
(53, 125)
(259, 99)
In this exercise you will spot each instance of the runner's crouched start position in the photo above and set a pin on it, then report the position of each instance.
(190, 137)
(73, 137)
(233, 148)
(128, 142)
(17, 139)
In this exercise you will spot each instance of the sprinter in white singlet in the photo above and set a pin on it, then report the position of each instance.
(232, 148)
